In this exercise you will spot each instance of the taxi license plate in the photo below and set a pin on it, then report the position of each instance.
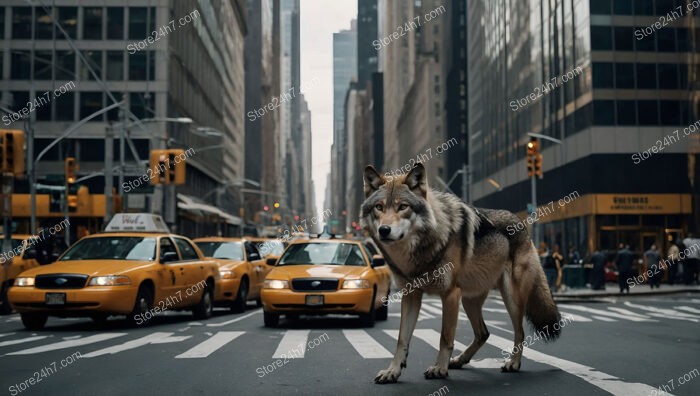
(55, 298)
(314, 300)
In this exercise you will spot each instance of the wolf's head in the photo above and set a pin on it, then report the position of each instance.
(394, 206)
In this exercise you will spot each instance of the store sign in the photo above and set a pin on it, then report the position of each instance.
(642, 203)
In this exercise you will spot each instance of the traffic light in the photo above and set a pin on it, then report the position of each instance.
(13, 151)
(538, 165)
(158, 166)
(72, 203)
(71, 170)
(533, 147)
(168, 166)
(530, 166)
(176, 164)
(534, 158)
(276, 205)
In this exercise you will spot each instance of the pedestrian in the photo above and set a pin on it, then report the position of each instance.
(559, 263)
(672, 257)
(623, 261)
(692, 260)
(548, 265)
(598, 279)
(574, 256)
(651, 263)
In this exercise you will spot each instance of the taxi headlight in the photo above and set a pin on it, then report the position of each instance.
(356, 284)
(24, 282)
(227, 274)
(276, 284)
(111, 280)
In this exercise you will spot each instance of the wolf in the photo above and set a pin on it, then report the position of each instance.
(419, 229)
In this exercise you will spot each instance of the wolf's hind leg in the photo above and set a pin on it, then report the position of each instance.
(515, 305)
(472, 306)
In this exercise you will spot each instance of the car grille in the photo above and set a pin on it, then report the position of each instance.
(314, 284)
(60, 281)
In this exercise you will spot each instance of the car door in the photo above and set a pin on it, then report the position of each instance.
(259, 269)
(194, 271)
(171, 275)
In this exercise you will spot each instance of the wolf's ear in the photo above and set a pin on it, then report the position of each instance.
(372, 180)
(416, 180)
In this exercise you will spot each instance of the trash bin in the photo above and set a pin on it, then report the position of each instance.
(574, 276)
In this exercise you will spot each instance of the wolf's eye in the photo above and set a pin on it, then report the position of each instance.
(403, 207)
(379, 207)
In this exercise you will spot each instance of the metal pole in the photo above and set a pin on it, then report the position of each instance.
(465, 182)
(109, 173)
(535, 226)
(241, 212)
(66, 214)
(122, 150)
(31, 175)
(7, 187)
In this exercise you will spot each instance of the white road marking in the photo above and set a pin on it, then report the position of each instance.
(209, 346)
(627, 312)
(594, 377)
(69, 344)
(430, 336)
(438, 311)
(292, 345)
(574, 317)
(7, 334)
(15, 319)
(228, 322)
(195, 324)
(688, 309)
(498, 310)
(665, 313)
(488, 363)
(603, 318)
(21, 341)
(635, 318)
(139, 342)
(72, 337)
(170, 340)
(184, 329)
(365, 345)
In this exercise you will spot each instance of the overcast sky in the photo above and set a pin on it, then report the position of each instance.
(319, 20)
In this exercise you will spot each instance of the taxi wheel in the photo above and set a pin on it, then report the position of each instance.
(368, 319)
(239, 304)
(144, 301)
(5, 307)
(33, 321)
(271, 319)
(205, 308)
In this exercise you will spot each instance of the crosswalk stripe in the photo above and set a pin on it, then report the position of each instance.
(603, 318)
(438, 311)
(21, 341)
(208, 347)
(574, 317)
(599, 312)
(139, 342)
(430, 336)
(292, 345)
(365, 345)
(170, 340)
(627, 312)
(69, 344)
(594, 377)
(228, 322)
(688, 309)
(669, 313)
(6, 334)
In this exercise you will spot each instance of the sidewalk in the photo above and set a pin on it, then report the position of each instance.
(612, 290)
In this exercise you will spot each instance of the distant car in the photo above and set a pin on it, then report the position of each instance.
(22, 258)
(135, 268)
(242, 270)
(324, 276)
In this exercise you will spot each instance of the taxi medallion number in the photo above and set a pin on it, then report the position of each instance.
(314, 300)
(55, 298)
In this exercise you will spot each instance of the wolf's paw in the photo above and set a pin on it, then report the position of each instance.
(455, 363)
(435, 372)
(511, 366)
(388, 376)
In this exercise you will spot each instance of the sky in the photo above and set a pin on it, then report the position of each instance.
(319, 20)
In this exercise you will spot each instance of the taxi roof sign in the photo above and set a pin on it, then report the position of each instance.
(137, 222)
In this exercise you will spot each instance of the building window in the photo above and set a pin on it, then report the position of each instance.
(141, 22)
(668, 75)
(683, 42)
(626, 112)
(601, 38)
(667, 40)
(19, 100)
(142, 66)
(43, 112)
(43, 26)
(22, 22)
(2, 22)
(94, 58)
(601, 7)
(602, 75)
(622, 7)
(90, 102)
(115, 65)
(68, 18)
(113, 115)
(21, 65)
(643, 7)
(646, 75)
(65, 108)
(670, 112)
(65, 65)
(664, 6)
(624, 38)
(140, 104)
(646, 43)
(115, 23)
(624, 75)
(648, 111)
(43, 65)
(92, 23)
(604, 112)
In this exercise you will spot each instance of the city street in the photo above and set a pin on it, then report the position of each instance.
(625, 346)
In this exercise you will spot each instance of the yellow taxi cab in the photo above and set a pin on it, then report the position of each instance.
(323, 276)
(242, 270)
(268, 247)
(135, 268)
(20, 258)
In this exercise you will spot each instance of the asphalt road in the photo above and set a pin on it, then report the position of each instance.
(625, 346)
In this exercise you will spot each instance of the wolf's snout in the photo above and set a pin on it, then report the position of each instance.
(384, 231)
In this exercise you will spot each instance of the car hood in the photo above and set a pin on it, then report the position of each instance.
(227, 264)
(317, 271)
(90, 267)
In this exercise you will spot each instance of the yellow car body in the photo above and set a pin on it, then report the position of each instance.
(293, 287)
(20, 259)
(160, 271)
(269, 248)
(242, 270)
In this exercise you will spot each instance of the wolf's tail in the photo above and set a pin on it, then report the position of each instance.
(541, 311)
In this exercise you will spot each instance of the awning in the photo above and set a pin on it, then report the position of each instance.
(200, 209)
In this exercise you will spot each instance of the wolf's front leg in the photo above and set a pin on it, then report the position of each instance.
(450, 314)
(410, 308)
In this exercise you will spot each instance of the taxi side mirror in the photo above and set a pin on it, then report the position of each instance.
(378, 261)
(168, 257)
(29, 254)
(271, 261)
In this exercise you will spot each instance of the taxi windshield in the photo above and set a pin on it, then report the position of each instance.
(112, 248)
(222, 250)
(322, 254)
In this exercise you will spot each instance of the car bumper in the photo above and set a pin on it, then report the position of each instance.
(226, 290)
(117, 300)
(338, 301)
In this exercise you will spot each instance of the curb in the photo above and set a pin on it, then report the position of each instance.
(617, 294)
